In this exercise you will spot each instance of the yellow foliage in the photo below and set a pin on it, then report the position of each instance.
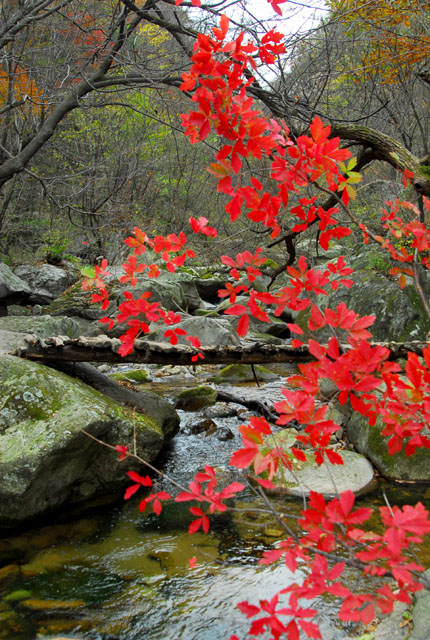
(395, 32)
(154, 34)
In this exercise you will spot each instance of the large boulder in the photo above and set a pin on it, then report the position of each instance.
(175, 292)
(12, 288)
(43, 326)
(368, 440)
(400, 315)
(47, 462)
(46, 282)
(76, 302)
(210, 331)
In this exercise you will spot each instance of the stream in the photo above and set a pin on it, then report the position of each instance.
(118, 574)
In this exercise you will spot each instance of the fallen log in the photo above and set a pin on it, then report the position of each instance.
(105, 349)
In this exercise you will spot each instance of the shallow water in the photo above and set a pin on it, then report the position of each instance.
(126, 576)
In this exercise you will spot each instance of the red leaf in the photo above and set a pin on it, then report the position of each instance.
(243, 325)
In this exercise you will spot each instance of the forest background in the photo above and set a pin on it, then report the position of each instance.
(91, 141)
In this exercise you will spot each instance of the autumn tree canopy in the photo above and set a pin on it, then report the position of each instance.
(361, 68)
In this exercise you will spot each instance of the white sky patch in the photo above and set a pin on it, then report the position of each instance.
(298, 17)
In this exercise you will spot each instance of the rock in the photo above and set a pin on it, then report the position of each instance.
(208, 287)
(210, 331)
(77, 302)
(12, 288)
(46, 282)
(224, 433)
(421, 614)
(9, 573)
(369, 441)
(243, 373)
(46, 461)
(263, 338)
(195, 398)
(18, 595)
(18, 310)
(356, 474)
(391, 625)
(206, 426)
(170, 370)
(399, 313)
(220, 410)
(175, 292)
(43, 326)
(11, 340)
(133, 376)
(209, 428)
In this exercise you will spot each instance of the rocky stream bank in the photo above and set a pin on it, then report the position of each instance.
(49, 465)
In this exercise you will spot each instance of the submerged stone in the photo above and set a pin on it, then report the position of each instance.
(50, 606)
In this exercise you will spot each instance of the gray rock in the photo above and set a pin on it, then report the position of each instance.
(421, 614)
(369, 441)
(208, 287)
(356, 473)
(46, 282)
(399, 313)
(176, 292)
(43, 326)
(12, 288)
(243, 373)
(77, 302)
(210, 331)
(391, 628)
(47, 462)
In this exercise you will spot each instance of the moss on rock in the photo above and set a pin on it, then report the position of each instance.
(369, 441)
(195, 398)
(135, 376)
(46, 459)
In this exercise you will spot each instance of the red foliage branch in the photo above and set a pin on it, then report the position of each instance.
(220, 74)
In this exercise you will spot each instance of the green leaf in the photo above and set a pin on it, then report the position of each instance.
(88, 272)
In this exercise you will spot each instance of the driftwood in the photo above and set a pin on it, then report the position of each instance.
(252, 405)
(104, 349)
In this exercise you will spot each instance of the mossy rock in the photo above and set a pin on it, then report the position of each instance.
(368, 440)
(9, 573)
(264, 338)
(134, 376)
(196, 398)
(243, 373)
(47, 461)
(400, 315)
